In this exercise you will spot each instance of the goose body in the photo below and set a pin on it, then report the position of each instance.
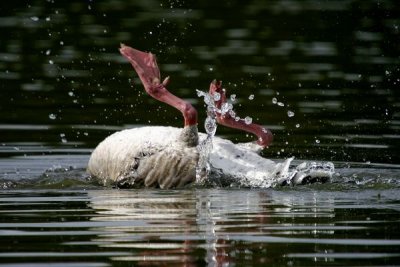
(168, 157)
(152, 156)
(157, 156)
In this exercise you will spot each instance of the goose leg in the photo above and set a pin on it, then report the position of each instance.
(146, 67)
(264, 136)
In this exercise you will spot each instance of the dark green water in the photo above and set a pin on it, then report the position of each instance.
(199, 227)
(64, 87)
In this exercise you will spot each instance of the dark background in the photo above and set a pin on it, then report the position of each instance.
(335, 64)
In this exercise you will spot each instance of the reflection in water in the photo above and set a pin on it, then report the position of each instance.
(200, 227)
(221, 227)
(194, 226)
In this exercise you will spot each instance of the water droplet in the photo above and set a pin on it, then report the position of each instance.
(217, 96)
(274, 100)
(281, 104)
(63, 139)
(48, 51)
(226, 107)
(51, 62)
(34, 18)
(297, 125)
(248, 120)
(251, 97)
(290, 113)
(206, 96)
(210, 126)
(233, 97)
(200, 93)
(317, 141)
(48, 19)
(210, 68)
(52, 116)
(70, 93)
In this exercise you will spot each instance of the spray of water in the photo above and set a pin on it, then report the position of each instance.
(287, 174)
(205, 147)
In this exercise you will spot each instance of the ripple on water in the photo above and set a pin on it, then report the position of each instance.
(154, 226)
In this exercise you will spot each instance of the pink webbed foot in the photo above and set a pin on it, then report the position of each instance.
(264, 136)
(146, 67)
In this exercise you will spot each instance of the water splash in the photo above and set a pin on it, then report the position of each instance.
(205, 147)
(310, 172)
(248, 120)
(313, 166)
(225, 108)
(279, 174)
(203, 167)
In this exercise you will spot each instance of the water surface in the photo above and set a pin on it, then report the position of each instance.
(200, 227)
(325, 78)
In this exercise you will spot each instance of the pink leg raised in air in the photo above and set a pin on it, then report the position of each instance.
(264, 136)
(145, 65)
